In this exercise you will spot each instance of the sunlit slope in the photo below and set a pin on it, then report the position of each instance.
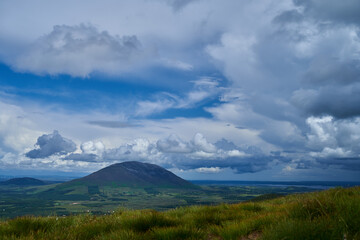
(331, 214)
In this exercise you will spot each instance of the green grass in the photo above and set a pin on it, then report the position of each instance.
(331, 214)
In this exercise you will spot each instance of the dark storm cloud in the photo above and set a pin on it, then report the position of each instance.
(329, 70)
(337, 101)
(352, 164)
(51, 144)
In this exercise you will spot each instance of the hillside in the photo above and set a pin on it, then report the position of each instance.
(25, 181)
(331, 214)
(133, 174)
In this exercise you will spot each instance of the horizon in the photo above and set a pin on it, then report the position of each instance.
(235, 91)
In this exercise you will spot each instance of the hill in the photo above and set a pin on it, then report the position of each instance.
(120, 182)
(25, 181)
(331, 214)
(133, 174)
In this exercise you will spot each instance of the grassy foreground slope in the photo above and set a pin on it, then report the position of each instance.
(331, 214)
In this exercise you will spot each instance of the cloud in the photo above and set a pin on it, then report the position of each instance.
(334, 142)
(289, 92)
(177, 64)
(197, 154)
(90, 152)
(91, 147)
(201, 144)
(337, 101)
(179, 4)
(208, 170)
(203, 89)
(17, 132)
(79, 51)
(344, 12)
(51, 144)
(110, 124)
(173, 144)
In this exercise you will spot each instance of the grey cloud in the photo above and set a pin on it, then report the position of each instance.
(328, 70)
(51, 144)
(173, 144)
(79, 51)
(352, 164)
(345, 11)
(91, 151)
(111, 124)
(179, 4)
(337, 101)
(288, 17)
(83, 157)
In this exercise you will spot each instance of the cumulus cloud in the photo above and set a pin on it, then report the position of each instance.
(173, 144)
(90, 152)
(51, 144)
(91, 147)
(197, 154)
(79, 51)
(334, 142)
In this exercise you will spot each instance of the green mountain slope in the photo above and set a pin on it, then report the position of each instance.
(327, 215)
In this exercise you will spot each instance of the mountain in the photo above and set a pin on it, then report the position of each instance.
(134, 174)
(25, 181)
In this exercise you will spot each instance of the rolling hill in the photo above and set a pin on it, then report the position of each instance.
(25, 181)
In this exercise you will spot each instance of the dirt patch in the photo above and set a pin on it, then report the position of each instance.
(252, 236)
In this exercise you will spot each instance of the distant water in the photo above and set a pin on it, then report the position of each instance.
(308, 184)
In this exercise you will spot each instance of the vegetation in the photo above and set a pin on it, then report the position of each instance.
(331, 214)
(77, 199)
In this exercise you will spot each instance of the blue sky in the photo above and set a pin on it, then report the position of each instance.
(230, 90)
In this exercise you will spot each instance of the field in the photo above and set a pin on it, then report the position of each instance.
(58, 200)
(331, 214)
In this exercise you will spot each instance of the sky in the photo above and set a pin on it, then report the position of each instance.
(208, 89)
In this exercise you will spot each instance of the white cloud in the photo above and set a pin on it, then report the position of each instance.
(17, 132)
(208, 170)
(202, 145)
(79, 51)
(91, 147)
(177, 64)
(203, 89)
